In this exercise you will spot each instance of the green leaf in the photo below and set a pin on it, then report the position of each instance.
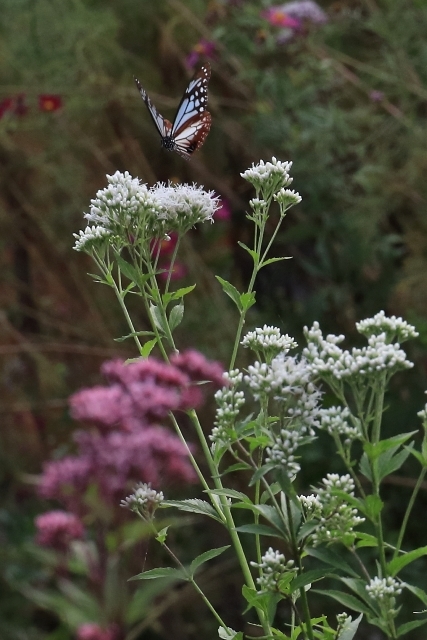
(259, 529)
(247, 300)
(365, 468)
(271, 260)
(387, 463)
(373, 506)
(350, 631)
(133, 335)
(259, 473)
(207, 555)
(232, 493)
(375, 450)
(396, 565)
(126, 268)
(231, 291)
(359, 587)
(162, 535)
(147, 348)
(157, 318)
(408, 626)
(308, 577)
(366, 540)
(161, 572)
(193, 505)
(419, 593)
(251, 252)
(180, 293)
(176, 316)
(306, 529)
(328, 556)
(347, 600)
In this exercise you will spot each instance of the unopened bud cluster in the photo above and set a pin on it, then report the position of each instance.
(229, 402)
(273, 565)
(268, 342)
(385, 590)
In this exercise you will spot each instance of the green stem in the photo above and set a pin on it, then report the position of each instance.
(228, 516)
(408, 511)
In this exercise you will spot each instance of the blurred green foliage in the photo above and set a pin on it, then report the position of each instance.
(346, 101)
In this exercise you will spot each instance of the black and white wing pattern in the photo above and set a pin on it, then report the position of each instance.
(192, 121)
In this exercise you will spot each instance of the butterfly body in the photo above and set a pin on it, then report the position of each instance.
(192, 122)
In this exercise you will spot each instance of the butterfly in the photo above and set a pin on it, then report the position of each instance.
(192, 122)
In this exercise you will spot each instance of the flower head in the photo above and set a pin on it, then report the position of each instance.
(278, 18)
(93, 631)
(269, 177)
(305, 10)
(126, 207)
(273, 566)
(57, 529)
(203, 49)
(91, 237)
(394, 328)
(144, 499)
(184, 205)
(269, 342)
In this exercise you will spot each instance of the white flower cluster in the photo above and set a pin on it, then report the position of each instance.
(269, 177)
(282, 452)
(423, 413)
(183, 205)
(305, 10)
(129, 210)
(334, 420)
(384, 589)
(144, 499)
(90, 237)
(229, 401)
(289, 382)
(394, 328)
(325, 357)
(122, 204)
(273, 565)
(269, 341)
(338, 519)
(344, 621)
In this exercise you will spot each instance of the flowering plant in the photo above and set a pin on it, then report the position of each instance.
(267, 414)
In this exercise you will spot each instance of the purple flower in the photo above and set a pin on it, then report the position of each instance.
(199, 368)
(277, 17)
(98, 405)
(203, 49)
(57, 529)
(305, 10)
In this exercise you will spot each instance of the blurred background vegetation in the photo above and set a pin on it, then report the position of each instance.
(344, 98)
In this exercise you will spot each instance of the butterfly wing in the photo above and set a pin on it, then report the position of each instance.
(192, 122)
(163, 126)
(192, 134)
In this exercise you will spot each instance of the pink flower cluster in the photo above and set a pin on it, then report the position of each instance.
(125, 444)
(56, 529)
(92, 631)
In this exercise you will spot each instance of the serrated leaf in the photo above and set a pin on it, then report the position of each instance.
(204, 557)
(161, 572)
(366, 540)
(374, 450)
(308, 577)
(259, 473)
(162, 535)
(193, 505)
(231, 291)
(372, 507)
(388, 464)
(247, 300)
(351, 628)
(328, 556)
(259, 529)
(347, 600)
(408, 626)
(232, 493)
(147, 348)
(397, 564)
(176, 315)
(126, 268)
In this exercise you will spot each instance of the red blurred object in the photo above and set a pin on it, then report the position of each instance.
(224, 212)
(20, 108)
(50, 102)
(5, 105)
(279, 18)
(204, 48)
